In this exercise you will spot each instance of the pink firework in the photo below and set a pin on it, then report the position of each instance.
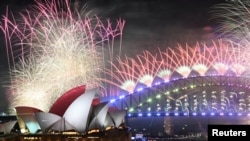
(54, 46)
(201, 58)
(128, 72)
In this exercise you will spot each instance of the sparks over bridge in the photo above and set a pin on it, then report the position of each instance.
(204, 79)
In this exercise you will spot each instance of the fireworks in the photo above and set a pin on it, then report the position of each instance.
(234, 21)
(204, 79)
(55, 46)
(52, 47)
(233, 18)
(147, 68)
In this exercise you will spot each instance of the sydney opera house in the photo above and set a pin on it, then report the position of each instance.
(76, 113)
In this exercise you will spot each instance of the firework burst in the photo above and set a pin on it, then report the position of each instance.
(53, 47)
(233, 18)
(220, 56)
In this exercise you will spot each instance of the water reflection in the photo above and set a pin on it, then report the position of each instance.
(180, 128)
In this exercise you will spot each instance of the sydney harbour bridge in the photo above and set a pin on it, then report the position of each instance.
(187, 81)
(213, 95)
(185, 103)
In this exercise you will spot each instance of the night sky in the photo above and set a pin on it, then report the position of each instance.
(149, 24)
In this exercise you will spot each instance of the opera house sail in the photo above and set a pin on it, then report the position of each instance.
(84, 113)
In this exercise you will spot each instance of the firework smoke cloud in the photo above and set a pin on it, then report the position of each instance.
(53, 46)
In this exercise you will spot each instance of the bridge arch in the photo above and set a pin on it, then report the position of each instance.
(200, 95)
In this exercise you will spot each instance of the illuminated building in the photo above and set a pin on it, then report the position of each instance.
(82, 115)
